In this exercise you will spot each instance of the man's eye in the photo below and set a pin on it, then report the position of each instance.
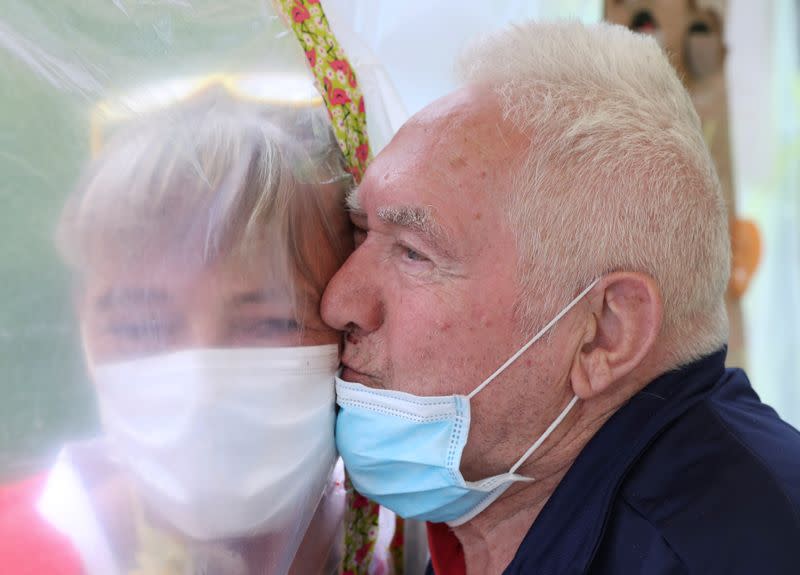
(414, 256)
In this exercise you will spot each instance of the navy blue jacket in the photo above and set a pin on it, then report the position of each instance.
(694, 475)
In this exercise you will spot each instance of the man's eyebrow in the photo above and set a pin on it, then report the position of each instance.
(131, 296)
(419, 219)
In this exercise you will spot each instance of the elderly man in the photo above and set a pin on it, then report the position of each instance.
(535, 327)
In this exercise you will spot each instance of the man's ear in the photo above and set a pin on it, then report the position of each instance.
(626, 315)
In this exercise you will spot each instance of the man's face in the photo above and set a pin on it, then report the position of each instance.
(427, 300)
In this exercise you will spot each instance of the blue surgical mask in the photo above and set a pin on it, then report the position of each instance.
(404, 451)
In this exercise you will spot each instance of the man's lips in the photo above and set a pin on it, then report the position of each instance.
(355, 376)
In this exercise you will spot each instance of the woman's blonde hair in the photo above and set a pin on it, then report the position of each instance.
(213, 177)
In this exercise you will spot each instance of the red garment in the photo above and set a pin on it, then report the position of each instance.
(447, 555)
(29, 545)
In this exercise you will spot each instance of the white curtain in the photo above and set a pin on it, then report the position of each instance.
(764, 90)
(417, 41)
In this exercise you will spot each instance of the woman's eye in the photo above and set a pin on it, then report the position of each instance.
(141, 331)
(270, 326)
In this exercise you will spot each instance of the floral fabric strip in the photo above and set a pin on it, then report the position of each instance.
(335, 79)
(398, 546)
(337, 83)
(360, 532)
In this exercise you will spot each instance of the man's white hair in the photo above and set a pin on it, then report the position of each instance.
(617, 176)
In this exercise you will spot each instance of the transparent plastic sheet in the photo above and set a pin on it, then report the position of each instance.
(171, 211)
(414, 44)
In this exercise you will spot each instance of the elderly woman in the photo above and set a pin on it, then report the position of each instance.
(202, 237)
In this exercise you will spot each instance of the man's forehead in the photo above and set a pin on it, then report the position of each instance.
(473, 102)
(457, 146)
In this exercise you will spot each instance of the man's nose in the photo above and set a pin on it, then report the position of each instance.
(352, 300)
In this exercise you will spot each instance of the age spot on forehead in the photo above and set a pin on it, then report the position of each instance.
(457, 162)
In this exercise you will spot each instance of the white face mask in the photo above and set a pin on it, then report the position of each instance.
(225, 442)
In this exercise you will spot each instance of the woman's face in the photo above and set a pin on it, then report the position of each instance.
(131, 310)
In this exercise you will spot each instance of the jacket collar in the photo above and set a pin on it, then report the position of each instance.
(567, 532)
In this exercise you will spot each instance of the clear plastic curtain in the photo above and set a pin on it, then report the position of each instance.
(418, 41)
(171, 208)
(58, 62)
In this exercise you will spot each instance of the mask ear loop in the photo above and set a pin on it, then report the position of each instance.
(535, 338)
(516, 356)
(545, 435)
